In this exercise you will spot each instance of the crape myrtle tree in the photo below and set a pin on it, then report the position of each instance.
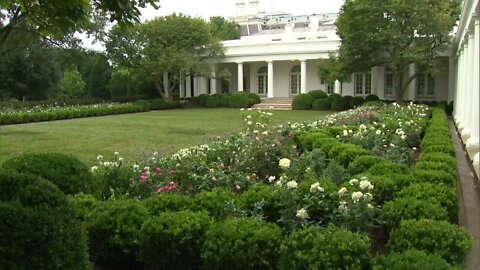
(58, 19)
(395, 34)
(177, 44)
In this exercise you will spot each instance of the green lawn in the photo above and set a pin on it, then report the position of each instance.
(132, 135)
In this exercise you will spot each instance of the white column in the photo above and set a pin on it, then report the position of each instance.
(461, 83)
(467, 85)
(213, 82)
(473, 141)
(188, 87)
(165, 83)
(468, 104)
(180, 87)
(240, 76)
(412, 86)
(464, 78)
(337, 87)
(451, 78)
(303, 76)
(270, 79)
(196, 86)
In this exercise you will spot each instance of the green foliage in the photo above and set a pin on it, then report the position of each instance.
(356, 102)
(348, 101)
(362, 163)
(242, 100)
(412, 259)
(214, 202)
(389, 167)
(339, 104)
(321, 104)
(113, 230)
(372, 97)
(346, 153)
(158, 104)
(67, 172)
(387, 185)
(449, 241)
(302, 102)
(241, 243)
(409, 207)
(39, 228)
(306, 140)
(202, 99)
(433, 176)
(213, 102)
(222, 29)
(316, 94)
(144, 103)
(84, 203)
(325, 248)
(173, 240)
(168, 201)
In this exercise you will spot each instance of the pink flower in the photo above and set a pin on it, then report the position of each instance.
(222, 165)
(237, 187)
(143, 176)
(290, 134)
(157, 169)
(146, 169)
(171, 171)
(160, 190)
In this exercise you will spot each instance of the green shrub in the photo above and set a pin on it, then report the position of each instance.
(214, 202)
(361, 164)
(346, 153)
(433, 176)
(412, 259)
(393, 212)
(202, 99)
(339, 104)
(39, 228)
(302, 102)
(212, 102)
(335, 96)
(325, 248)
(240, 100)
(158, 104)
(437, 166)
(348, 101)
(168, 201)
(67, 172)
(387, 185)
(173, 240)
(445, 149)
(388, 168)
(356, 102)
(242, 243)
(372, 97)
(144, 104)
(316, 94)
(255, 98)
(438, 157)
(377, 103)
(449, 241)
(84, 203)
(225, 100)
(113, 229)
(321, 104)
(306, 140)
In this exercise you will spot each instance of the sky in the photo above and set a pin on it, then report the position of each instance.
(227, 8)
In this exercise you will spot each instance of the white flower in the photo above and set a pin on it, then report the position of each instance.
(365, 184)
(362, 126)
(292, 184)
(155, 153)
(94, 169)
(120, 159)
(249, 122)
(302, 214)
(367, 196)
(316, 187)
(357, 196)
(116, 153)
(342, 191)
(378, 132)
(271, 179)
(284, 163)
(392, 145)
(370, 206)
(99, 157)
(249, 117)
(343, 206)
(136, 167)
(353, 182)
(278, 183)
(345, 133)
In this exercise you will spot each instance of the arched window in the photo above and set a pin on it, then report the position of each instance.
(295, 80)
(262, 81)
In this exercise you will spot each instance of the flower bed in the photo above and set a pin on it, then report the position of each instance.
(49, 113)
(298, 187)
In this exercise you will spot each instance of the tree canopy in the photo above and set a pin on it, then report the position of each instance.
(395, 34)
(177, 44)
(60, 18)
(223, 29)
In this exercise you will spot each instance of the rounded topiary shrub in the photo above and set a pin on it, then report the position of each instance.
(224, 100)
(325, 248)
(362, 163)
(449, 241)
(214, 202)
(113, 230)
(412, 259)
(67, 172)
(242, 243)
(356, 102)
(168, 201)
(158, 104)
(212, 102)
(240, 100)
(321, 104)
(372, 97)
(255, 98)
(302, 102)
(348, 101)
(334, 96)
(145, 104)
(173, 240)
(202, 99)
(316, 94)
(39, 228)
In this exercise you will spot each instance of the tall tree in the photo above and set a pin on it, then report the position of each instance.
(177, 44)
(59, 18)
(395, 34)
(223, 29)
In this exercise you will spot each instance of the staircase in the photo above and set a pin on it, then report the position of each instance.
(277, 103)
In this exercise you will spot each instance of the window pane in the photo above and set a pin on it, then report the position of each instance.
(431, 85)
(359, 84)
(389, 84)
(261, 85)
(293, 83)
(368, 84)
(329, 88)
(421, 84)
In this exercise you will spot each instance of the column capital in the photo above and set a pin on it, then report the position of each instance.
(239, 63)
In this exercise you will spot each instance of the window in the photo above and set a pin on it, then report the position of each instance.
(295, 80)
(329, 88)
(425, 84)
(388, 83)
(225, 85)
(363, 83)
(262, 81)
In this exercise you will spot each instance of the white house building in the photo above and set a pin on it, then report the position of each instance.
(277, 56)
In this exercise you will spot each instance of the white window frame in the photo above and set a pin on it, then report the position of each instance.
(262, 81)
(295, 86)
(362, 84)
(389, 73)
(425, 85)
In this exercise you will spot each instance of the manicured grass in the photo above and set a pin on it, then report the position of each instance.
(132, 135)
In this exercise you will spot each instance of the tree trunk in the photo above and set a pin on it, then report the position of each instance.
(398, 89)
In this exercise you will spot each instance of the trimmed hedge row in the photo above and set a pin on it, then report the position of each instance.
(319, 100)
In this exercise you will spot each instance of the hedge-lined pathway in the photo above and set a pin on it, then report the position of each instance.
(469, 199)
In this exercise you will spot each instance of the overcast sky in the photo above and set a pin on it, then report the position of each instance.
(227, 8)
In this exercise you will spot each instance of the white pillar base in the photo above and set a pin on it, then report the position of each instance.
(465, 134)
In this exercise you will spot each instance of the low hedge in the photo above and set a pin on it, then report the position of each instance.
(243, 100)
(412, 259)
(339, 104)
(362, 163)
(302, 102)
(356, 102)
(317, 94)
(372, 97)
(325, 248)
(67, 172)
(321, 104)
(449, 241)
(242, 243)
(213, 102)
